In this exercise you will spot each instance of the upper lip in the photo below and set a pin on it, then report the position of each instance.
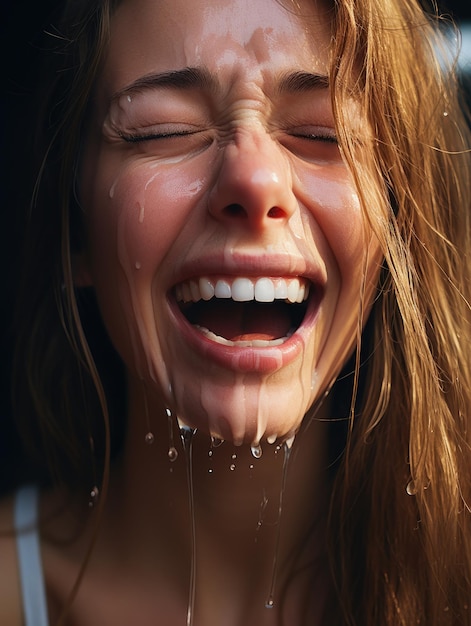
(237, 264)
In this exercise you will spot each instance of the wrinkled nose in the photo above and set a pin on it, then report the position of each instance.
(253, 189)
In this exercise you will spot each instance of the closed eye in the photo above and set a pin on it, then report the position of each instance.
(316, 145)
(315, 134)
(167, 142)
(139, 137)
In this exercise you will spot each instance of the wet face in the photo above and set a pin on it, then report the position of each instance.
(226, 242)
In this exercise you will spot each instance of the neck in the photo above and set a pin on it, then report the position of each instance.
(229, 497)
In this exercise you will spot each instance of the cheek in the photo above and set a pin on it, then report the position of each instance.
(135, 219)
(337, 213)
(139, 213)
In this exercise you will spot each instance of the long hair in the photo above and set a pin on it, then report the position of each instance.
(62, 409)
(399, 521)
(400, 516)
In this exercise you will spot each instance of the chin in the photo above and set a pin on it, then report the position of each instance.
(245, 408)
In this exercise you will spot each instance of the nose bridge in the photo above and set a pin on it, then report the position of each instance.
(254, 181)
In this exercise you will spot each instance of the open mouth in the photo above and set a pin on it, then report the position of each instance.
(245, 312)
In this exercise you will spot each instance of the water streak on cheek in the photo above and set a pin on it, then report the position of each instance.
(302, 393)
(194, 188)
(151, 180)
(141, 213)
(314, 378)
(136, 296)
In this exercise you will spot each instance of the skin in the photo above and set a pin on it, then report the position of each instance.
(250, 183)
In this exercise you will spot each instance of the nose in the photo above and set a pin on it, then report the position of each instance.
(253, 188)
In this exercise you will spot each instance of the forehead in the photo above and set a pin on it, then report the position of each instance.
(230, 37)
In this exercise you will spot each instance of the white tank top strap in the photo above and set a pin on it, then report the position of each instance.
(29, 557)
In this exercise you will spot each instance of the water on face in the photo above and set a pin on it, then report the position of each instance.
(157, 359)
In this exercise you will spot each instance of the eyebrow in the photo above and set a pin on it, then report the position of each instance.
(186, 78)
(296, 82)
(202, 78)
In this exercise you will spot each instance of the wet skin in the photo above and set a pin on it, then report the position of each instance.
(211, 165)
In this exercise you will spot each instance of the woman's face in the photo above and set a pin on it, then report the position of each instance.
(226, 243)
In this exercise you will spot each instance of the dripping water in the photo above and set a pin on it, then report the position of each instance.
(149, 437)
(287, 446)
(187, 434)
(233, 465)
(256, 451)
(172, 451)
(263, 506)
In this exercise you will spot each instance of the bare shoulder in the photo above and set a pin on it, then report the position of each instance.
(10, 595)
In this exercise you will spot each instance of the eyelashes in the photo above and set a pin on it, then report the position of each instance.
(139, 137)
(313, 132)
(142, 137)
(310, 143)
(329, 139)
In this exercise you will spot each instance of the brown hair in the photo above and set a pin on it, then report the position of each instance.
(400, 515)
(398, 559)
(58, 393)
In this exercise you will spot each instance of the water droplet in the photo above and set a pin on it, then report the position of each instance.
(94, 494)
(149, 438)
(234, 456)
(289, 442)
(210, 471)
(232, 467)
(270, 603)
(251, 466)
(169, 412)
(271, 439)
(210, 453)
(216, 442)
(410, 489)
(256, 451)
(172, 454)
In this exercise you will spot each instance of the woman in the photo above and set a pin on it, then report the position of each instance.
(253, 194)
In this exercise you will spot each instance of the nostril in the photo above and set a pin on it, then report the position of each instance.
(276, 213)
(235, 210)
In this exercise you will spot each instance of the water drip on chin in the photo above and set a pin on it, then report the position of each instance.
(256, 450)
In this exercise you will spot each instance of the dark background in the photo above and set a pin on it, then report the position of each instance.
(21, 25)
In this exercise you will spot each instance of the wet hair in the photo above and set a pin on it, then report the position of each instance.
(400, 517)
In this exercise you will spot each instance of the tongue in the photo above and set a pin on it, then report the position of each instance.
(245, 321)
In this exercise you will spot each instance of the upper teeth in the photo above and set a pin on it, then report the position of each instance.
(242, 289)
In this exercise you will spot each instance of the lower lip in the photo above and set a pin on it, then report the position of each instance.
(264, 360)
